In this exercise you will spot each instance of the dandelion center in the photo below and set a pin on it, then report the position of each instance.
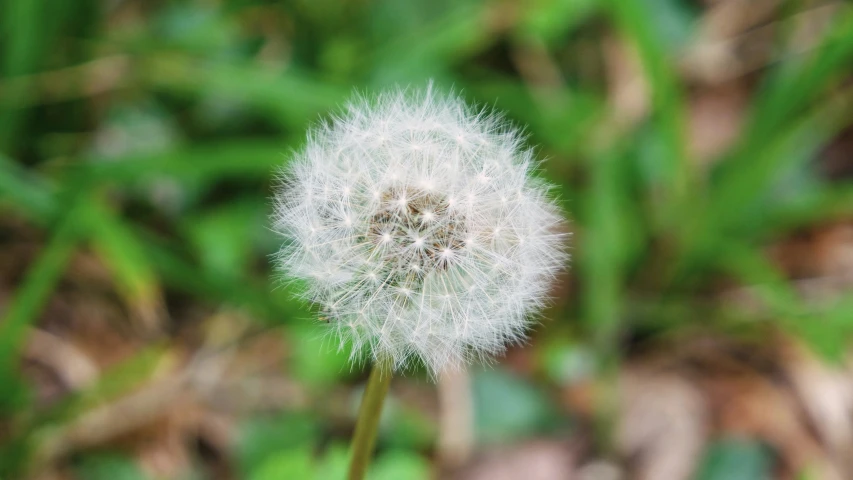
(412, 235)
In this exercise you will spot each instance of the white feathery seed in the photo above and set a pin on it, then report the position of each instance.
(419, 230)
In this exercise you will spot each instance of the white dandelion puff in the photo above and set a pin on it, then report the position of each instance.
(420, 230)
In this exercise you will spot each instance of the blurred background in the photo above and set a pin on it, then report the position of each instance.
(703, 150)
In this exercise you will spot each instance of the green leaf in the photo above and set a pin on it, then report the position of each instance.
(736, 459)
(237, 159)
(827, 329)
(223, 238)
(606, 237)
(406, 427)
(750, 176)
(124, 254)
(22, 29)
(108, 467)
(277, 305)
(549, 19)
(566, 363)
(796, 84)
(263, 441)
(563, 123)
(25, 191)
(825, 204)
(508, 408)
(334, 463)
(745, 194)
(667, 95)
(292, 463)
(423, 51)
(316, 358)
(399, 464)
(28, 300)
(291, 99)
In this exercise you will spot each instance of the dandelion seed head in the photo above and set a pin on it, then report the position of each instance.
(400, 266)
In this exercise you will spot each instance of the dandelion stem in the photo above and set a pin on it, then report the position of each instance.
(364, 438)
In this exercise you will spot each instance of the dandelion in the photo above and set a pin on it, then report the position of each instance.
(417, 227)
(419, 230)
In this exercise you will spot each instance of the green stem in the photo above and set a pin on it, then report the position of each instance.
(364, 438)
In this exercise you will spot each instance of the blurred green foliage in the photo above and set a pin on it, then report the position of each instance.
(736, 459)
(149, 133)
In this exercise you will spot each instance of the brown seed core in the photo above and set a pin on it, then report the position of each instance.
(413, 233)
